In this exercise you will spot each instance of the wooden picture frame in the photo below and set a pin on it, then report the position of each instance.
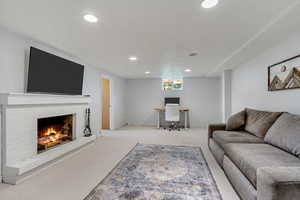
(284, 75)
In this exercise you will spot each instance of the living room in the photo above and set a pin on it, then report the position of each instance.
(149, 100)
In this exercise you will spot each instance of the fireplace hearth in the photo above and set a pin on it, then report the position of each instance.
(54, 131)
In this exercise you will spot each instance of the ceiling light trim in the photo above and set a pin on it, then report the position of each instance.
(132, 58)
(90, 18)
(209, 3)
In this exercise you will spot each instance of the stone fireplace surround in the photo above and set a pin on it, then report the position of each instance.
(20, 113)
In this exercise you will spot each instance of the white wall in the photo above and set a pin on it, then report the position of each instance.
(226, 94)
(118, 101)
(14, 47)
(201, 95)
(250, 81)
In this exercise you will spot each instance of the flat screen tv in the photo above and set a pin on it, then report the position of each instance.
(51, 74)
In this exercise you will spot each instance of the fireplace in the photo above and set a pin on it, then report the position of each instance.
(54, 131)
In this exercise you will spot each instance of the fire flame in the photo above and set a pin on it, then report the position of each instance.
(52, 134)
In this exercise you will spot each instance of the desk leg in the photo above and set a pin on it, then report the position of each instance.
(158, 119)
(185, 119)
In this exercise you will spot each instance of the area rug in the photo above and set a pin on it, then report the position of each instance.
(159, 172)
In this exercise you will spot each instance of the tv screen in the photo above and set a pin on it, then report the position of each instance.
(48, 73)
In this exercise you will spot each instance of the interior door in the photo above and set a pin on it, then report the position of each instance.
(105, 103)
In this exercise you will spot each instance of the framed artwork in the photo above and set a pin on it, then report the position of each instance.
(284, 75)
(172, 84)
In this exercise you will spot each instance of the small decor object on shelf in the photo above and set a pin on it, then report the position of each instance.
(284, 75)
(87, 130)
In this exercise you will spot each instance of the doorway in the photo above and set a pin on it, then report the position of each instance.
(105, 103)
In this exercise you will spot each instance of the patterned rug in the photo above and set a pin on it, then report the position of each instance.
(159, 172)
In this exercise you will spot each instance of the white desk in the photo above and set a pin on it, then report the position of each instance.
(185, 110)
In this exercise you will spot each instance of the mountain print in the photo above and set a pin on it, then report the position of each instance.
(285, 75)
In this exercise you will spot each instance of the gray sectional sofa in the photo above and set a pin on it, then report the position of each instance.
(259, 152)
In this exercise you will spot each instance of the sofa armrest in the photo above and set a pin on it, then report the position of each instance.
(278, 183)
(215, 127)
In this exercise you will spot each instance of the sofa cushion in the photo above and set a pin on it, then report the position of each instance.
(285, 133)
(236, 121)
(250, 157)
(259, 122)
(224, 137)
(217, 151)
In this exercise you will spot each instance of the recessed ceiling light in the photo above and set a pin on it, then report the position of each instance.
(132, 58)
(209, 3)
(147, 72)
(90, 18)
(187, 70)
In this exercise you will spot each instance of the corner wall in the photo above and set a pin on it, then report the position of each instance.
(201, 95)
(250, 81)
(226, 95)
(117, 101)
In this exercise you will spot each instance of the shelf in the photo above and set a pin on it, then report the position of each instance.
(14, 99)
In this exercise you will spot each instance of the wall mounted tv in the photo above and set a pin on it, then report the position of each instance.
(51, 74)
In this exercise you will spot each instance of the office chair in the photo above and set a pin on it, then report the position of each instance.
(173, 116)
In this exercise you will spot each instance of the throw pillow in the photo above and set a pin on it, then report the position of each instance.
(285, 133)
(258, 122)
(236, 121)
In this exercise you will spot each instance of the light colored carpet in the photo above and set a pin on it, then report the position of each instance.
(76, 176)
(157, 172)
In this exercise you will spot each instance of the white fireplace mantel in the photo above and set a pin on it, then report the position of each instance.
(14, 99)
(20, 113)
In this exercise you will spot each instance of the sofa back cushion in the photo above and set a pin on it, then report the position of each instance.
(236, 121)
(258, 122)
(285, 133)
